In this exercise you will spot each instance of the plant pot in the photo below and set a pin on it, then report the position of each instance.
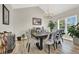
(19, 38)
(76, 40)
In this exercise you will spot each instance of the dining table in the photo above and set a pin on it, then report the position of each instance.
(40, 36)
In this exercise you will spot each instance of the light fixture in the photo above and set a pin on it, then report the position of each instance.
(48, 13)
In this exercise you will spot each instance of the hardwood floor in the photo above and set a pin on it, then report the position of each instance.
(67, 48)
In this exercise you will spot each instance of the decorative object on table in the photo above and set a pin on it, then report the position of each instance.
(36, 21)
(51, 25)
(5, 15)
(38, 30)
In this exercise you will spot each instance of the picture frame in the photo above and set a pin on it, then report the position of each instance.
(36, 21)
(5, 15)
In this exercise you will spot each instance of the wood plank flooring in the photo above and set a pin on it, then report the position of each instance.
(67, 48)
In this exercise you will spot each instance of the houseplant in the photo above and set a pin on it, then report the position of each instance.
(74, 33)
(51, 25)
(23, 36)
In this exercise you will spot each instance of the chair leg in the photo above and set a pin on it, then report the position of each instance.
(26, 45)
(54, 46)
(59, 42)
(48, 49)
(28, 48)
(62, 39)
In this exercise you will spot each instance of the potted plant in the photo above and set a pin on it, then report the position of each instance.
(23, 36)
(51, 25)
(74, 33)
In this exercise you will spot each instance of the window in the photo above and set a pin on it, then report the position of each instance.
(72, 20)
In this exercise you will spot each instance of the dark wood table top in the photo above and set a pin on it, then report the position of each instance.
(40, 34)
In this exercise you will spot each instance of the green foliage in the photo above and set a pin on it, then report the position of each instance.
(73, 31)
(51, 25)
(23, 35)
(62, 23)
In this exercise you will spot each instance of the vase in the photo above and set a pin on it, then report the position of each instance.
(76, 40)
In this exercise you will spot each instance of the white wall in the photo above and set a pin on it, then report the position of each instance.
(6, 27)
(23, 19)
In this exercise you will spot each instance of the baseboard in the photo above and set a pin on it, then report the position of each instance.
(69, 40)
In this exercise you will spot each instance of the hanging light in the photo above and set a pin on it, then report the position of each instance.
(48, 14)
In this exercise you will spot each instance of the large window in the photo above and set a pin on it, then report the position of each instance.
(72, 20)
(62, 24)
(66, 23)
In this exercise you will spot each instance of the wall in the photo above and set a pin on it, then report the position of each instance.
(23, 19)
(6, 27)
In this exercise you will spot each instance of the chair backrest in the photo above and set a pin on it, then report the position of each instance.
(61, 33)
(28, 34)
(57, 36)
(50, 37)
(30, 39)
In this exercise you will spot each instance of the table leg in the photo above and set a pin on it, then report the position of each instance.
(29, 48)
(37, 44)
(41, 44)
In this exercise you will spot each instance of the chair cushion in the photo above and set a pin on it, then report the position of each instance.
(48, 42)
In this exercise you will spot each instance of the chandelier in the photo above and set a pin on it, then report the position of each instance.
(48, 14)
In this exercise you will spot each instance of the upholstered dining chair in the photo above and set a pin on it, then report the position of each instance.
(30, 41)
(61, 34)
(49, 41)
(58, 38)
(53, 39)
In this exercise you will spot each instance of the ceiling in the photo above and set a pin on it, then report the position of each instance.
(52, 8)
(16, 6)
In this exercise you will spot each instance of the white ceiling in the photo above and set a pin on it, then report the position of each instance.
(16, 6)
(52, 8)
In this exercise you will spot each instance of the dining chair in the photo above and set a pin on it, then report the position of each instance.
(57, 39)
(49, 41)
(61, 34)
(30, 41)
